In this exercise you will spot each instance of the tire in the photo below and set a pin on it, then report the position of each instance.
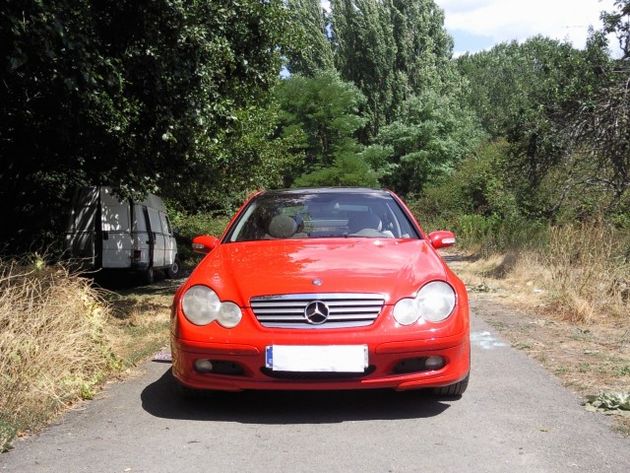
(452, 390)
(148, 276)
(174, 270)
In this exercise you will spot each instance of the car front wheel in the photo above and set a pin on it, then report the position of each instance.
(452, 390)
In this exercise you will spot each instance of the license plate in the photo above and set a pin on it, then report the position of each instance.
(317, 359)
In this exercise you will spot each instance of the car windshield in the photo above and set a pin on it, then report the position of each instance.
(321, 215)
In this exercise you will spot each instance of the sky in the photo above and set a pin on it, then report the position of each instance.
(480, 24)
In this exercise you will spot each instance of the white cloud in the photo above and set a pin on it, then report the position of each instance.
(505, 20)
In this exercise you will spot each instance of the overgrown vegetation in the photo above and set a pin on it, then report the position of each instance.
(53, 347)
(523, 150)
(60, 339)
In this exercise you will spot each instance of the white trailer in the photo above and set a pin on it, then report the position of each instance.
(105, 232)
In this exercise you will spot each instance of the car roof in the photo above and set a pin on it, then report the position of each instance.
(327, 190)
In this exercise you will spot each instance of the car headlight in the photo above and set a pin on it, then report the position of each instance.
(229, 315)
(201, 306)
(434, 303)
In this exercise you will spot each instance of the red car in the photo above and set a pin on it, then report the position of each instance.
(331, 288)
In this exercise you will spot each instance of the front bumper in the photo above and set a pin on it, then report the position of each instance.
(383, 359)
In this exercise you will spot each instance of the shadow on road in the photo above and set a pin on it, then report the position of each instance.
(288, 407)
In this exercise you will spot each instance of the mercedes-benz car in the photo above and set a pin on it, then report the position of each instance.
(329, 288)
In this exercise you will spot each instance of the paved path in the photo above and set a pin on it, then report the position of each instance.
(515, 417)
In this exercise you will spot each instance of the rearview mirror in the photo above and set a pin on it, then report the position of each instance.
(442, 239)
(204, 244)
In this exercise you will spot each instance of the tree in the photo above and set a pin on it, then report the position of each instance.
(391, 50)
(618, 23)
(432, 134)
(423, 46)
(528, 93)
(310, 52)
(366, 55)
(325, 110)
(600, 128)
(131, 94)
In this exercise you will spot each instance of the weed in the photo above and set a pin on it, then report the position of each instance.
(52, 343)
(583, 367)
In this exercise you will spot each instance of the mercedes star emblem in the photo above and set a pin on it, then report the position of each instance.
(316, 312)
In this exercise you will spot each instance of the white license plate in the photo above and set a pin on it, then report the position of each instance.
(317, 358)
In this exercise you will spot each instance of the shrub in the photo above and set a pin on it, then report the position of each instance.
(590, 271)
(53, 348)
(189, 226)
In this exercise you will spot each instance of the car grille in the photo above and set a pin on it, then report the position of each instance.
(345, 310)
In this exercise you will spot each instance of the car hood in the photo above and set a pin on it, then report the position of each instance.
(394, 268)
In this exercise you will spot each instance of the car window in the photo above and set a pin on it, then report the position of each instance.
(321, 215)
(166, 227)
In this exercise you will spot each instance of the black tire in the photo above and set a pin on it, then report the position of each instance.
(174, 270)
(148, 276)
(452, 390)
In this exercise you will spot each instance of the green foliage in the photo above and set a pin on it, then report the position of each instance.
(129, 94)
(190, 225)
(310, 52)
(391, 51)
(610, 401)
(433, 133)
(324, 111)
(563, 120)
(599, 130)
(245, 157)
(347, 170)
(474, 187)
(476, 203)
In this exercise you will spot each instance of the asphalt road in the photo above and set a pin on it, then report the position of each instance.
(515, 417)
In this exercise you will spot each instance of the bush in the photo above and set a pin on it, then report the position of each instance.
(590, 271)
(53, 348)
(189, 226)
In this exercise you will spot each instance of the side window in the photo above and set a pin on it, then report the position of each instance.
(154, 220)
(166, 224)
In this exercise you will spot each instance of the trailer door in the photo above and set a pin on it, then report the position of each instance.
(115, 231)
(170, 247)
(159, 238)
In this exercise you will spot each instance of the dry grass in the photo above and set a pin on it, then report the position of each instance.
(60, 339)
(566, 304)
(590, 272)
(52, 343)
(140, 323)
(581, 275)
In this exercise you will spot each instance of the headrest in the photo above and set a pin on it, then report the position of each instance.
(362, 220)
(282, 226)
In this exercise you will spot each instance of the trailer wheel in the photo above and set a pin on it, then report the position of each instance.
(174, 270)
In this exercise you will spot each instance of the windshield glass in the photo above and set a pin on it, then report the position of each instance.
(322, 215)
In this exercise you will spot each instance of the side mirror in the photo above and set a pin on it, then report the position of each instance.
(204, 244)
(442, 239)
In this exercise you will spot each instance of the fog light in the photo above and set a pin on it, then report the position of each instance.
(434, 362)
(203, 366)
